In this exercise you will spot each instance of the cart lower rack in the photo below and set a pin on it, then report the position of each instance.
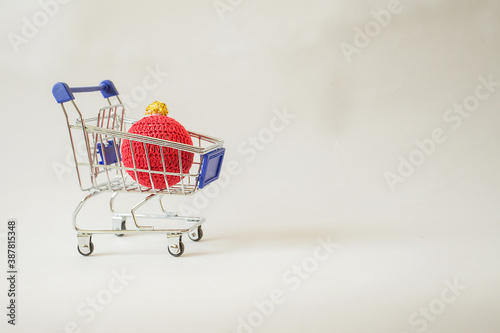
(102, 170)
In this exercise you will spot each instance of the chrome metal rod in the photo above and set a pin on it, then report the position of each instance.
(132, 211)
(79, 207)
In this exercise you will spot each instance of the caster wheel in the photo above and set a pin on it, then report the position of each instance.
(196, 234)
(122, 227)
(176, 250)
(90, 252)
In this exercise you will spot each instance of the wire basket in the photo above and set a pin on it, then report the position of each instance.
(100, 167)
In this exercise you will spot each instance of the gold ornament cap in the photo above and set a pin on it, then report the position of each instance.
(157, 108)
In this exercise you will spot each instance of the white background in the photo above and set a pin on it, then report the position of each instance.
(321, 177)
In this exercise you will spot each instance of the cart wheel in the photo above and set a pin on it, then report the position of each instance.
(196, 234)
(176, 250)
(91, 247)
(122, 227)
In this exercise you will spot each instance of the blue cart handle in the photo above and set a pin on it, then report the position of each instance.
(63, 93)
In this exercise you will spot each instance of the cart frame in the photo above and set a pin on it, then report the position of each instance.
(103, 161)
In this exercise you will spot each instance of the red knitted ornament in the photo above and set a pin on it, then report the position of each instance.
(160, 127)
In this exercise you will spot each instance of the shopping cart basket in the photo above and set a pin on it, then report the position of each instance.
(101, 169)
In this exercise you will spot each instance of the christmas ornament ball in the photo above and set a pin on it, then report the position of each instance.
(157, 125)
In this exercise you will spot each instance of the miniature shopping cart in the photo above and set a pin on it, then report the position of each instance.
(101, 169)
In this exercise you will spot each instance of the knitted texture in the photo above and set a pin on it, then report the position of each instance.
(160, 127)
